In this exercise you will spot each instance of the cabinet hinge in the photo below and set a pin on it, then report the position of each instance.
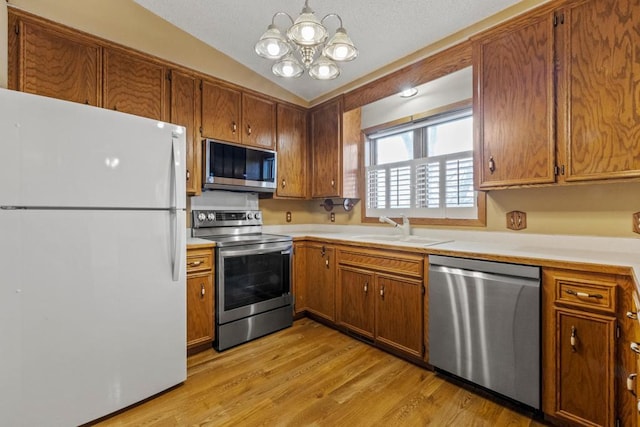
(556, 170)
(618, 332)
(200, 130)
(169, 76)
(424, 290)
(200, 84)
(618, 422)
(16, 28)
(558, 19)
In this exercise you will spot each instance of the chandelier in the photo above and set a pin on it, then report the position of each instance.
(304, 46)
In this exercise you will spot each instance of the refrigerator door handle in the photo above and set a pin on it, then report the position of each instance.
(178, 202)
(179, 243)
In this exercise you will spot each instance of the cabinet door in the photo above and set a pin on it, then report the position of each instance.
(398, 314)
(292, 152)
(199, 308)
(325, 145)
(184, 106)
(299, 285)
(514, 105)
(220, 112)
(320, 289)
(258, 121)
(58, 65)
(134, 85)
(600, 65)
(355, 300)
(585, 367)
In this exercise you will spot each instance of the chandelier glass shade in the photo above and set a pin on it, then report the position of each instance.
(304, 46)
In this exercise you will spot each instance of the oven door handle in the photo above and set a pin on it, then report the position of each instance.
(283, 249)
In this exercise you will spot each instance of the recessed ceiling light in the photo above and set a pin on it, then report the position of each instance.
(408, 93)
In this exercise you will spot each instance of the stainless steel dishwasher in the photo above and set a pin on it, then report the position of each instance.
(484, 324)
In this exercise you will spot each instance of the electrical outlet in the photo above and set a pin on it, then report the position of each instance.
(636, 222)
(333, 217)
(288, 216)
(516, 220)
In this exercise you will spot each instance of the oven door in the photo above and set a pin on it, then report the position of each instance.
(252, 279)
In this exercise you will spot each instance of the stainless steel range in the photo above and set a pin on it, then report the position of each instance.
(252, 275)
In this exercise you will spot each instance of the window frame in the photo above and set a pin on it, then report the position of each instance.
(480, 221)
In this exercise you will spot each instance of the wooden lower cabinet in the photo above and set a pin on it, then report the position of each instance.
(373, 303)
(200, 297)
(319, 286)
(586, 359)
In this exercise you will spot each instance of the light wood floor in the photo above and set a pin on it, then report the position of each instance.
(311, 375)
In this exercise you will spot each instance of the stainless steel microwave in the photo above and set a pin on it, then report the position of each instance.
(238, 168)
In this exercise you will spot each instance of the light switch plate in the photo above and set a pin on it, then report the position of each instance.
(516, 220)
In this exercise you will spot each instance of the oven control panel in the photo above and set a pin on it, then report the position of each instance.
(212, 218)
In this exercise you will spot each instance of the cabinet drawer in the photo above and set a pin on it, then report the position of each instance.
(600, 295)
(199, 260)
(388, 262)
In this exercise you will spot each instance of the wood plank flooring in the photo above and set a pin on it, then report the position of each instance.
(311, 375)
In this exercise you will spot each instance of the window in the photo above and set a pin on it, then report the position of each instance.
(423, 169)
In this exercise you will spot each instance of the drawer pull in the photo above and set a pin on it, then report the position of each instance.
(492, 165)
(631, 379)
(635, 347)
(583, 294)
(573, 338)
(382, 292)
(366, 287)
(234, 127)
(632, 315)
(195, 263)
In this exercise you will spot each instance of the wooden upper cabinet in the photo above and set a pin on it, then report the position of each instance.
(335, 144)
(234, 116)
(221, 112)
(258, 121)
(134, 85)
(184, 111)
(55, 64)
(599, 89)
(292, 152)
(514, 103)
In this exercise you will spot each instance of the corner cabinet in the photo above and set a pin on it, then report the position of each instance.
(292, 152)
(552, 96)
(335, 144)
(379, 295)
(228, 114)
(200, 298)
(584, 371)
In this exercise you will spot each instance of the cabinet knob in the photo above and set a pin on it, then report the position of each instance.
(366, 287)
(326, 262)
(492, 164)
(333, 183)
(382, 291)
(573, 338)
(202, 290)
(234, 127)
(249, 130)
(635, 347)
(188, 175)
(284, 183)
(632, 315)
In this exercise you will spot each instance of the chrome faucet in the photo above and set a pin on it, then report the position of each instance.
(406, 226)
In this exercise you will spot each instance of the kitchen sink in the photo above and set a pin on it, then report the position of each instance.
(426, 241)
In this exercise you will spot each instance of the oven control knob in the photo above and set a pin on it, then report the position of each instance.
(211, 216)
(201, 216)
(249, 215)
(257, 215)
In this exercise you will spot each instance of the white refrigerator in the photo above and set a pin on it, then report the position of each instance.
(92, 260)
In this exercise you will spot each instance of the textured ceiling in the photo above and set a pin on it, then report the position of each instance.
(382, 30)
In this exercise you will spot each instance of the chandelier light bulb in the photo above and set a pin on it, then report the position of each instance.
(304, 46)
